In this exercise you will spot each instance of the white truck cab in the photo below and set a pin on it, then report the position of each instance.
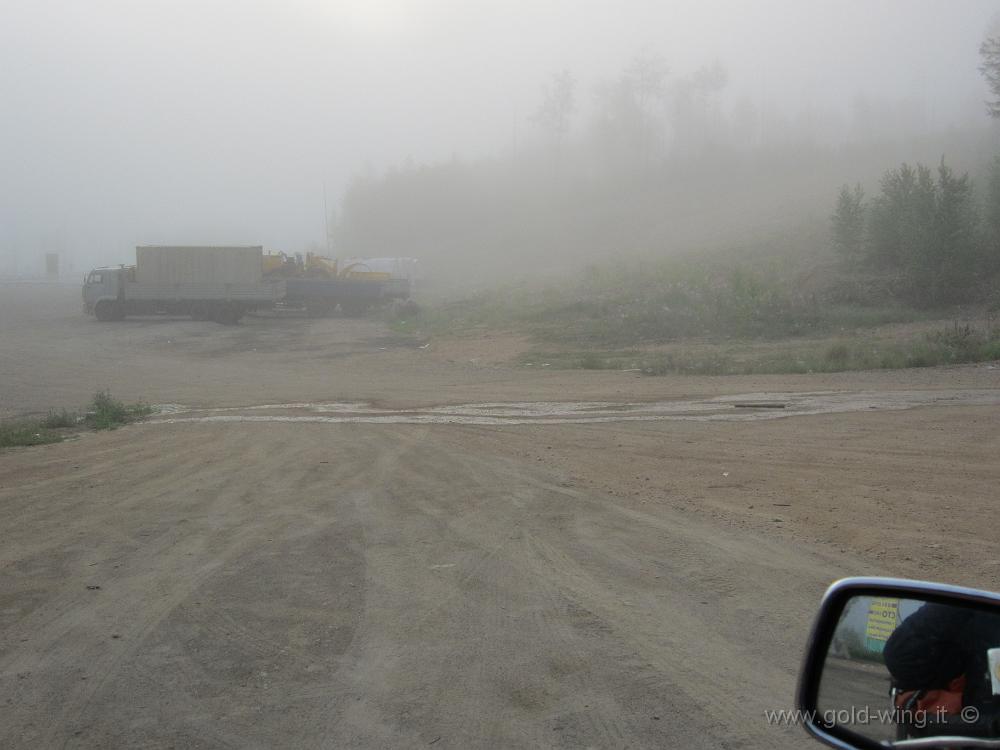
(104, 292)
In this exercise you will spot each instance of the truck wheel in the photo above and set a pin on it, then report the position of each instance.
(105, 311)
(227, 315)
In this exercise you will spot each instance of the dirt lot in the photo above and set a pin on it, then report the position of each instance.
(341, 570)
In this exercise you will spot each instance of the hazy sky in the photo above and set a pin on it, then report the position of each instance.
(136, 121)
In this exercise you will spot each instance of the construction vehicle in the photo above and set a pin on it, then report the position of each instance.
(222, 283)
(207, 283)
(320, 285)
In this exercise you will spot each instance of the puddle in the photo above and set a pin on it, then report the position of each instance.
(746, 407)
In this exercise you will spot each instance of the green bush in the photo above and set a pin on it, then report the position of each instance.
(107, 413)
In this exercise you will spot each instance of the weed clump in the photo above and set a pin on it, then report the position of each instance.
(26, 432)
(55, 420)
(103, 413)
(107, 413)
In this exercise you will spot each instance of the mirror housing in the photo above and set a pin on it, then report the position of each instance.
(832, 607)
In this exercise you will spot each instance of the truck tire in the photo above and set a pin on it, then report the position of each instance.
(105, 311)
(227, 315)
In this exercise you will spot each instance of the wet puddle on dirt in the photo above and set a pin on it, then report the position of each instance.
(746, 407)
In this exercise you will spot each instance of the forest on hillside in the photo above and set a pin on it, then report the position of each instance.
(652, 166)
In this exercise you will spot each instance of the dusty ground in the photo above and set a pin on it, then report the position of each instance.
(403, 584)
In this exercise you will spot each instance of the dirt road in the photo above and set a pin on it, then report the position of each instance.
(301, 583)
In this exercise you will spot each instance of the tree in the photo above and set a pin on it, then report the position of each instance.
(989, 51)
(692, 108)
(991, 218)
(849, 224)
(901, 217)
(646, 77)
(627, 110)
(555, 113)
(949, 270)
(926, 230)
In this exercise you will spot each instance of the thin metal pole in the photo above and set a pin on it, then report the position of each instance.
(326, 218)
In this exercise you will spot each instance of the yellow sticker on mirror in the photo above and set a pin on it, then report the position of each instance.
(883, 616)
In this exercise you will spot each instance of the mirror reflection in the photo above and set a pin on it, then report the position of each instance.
(902, 669)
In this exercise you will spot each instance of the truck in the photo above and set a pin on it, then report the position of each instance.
(319, 285)
(218, 283)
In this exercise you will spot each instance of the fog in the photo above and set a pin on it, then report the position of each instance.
(230, 122)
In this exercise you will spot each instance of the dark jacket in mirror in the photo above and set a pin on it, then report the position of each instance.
(939, 643)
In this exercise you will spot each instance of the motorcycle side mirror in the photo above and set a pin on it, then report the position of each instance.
(898, 663)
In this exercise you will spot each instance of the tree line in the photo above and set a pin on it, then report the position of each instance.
(929, 233)
(653, 163)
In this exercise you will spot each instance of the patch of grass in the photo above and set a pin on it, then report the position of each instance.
(651, 303)
(107, 413)
(960, 344)
(838, 355)
(853, 317)
(703, 363)
(26, 432)
(404, 326)
(60, 419)
(592, 361)
(584, 359)
(417, 320)
(103, 413)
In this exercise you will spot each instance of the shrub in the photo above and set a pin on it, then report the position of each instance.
(106, 413)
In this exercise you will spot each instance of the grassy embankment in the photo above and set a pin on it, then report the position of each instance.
(103, 413)
(686, 318)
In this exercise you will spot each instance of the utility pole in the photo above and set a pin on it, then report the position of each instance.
(326, 219)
